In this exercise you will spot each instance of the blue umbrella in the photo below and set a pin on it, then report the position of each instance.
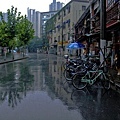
(75, 45)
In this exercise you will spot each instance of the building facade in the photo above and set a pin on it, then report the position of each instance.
(60, 28)
(44, 17)
(90, 32)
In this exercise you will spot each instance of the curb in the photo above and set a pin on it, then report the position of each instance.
(13, 60)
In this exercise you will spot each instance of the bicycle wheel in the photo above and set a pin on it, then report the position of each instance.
(105, 82)
(77, 83)
(67, 74)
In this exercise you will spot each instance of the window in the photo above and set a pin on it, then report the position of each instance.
(44, 16)
(64, 12)
(69, 9)
(48, 15)
(55, 30)
(64, 37)
(83, 8)
(44, 21)
(58, 38)
(58, 16)
(52, 15)
(64, 25)
(68, 36)
(58, 27)
(54, 39)
(68, 22)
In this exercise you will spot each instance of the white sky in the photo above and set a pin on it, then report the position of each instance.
(22, 5)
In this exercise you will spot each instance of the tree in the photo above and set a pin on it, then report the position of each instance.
(17, 31)
(3, 32)
(25, 31)
(11, 26)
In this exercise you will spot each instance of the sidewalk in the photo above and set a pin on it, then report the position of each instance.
(9, 58)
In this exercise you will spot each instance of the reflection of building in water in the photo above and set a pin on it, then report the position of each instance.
(38, 77)
(56, 71)
(40, 73)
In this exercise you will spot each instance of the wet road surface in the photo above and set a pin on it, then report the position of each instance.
(35, 89)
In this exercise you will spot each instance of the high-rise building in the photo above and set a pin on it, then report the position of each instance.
(39, 18)
(38, 25)
(54, 6)
(34, 17)
(31, 16)
(5, 16)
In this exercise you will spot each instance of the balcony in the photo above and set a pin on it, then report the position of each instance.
(112, 17)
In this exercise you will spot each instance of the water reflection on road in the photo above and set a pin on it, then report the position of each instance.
(35, 89)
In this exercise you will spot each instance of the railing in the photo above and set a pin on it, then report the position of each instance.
(113, 14)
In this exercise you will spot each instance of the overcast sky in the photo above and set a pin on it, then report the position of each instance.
(22, 5)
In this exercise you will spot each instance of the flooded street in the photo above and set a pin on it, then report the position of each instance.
(35, 89)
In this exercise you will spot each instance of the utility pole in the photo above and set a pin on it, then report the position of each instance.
(62, 46)
(102, 27)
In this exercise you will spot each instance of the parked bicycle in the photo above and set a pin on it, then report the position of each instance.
(92, 76)
(78, 66)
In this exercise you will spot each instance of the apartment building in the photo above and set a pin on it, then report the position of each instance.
(60, 28)
(44, 17)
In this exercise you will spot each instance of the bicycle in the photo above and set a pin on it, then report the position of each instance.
(88, 78)
(73, 66)
(101, 73)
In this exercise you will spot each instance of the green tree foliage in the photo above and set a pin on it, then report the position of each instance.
(3, 32)
(25, 31)
(35, 43)
(17, 31)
